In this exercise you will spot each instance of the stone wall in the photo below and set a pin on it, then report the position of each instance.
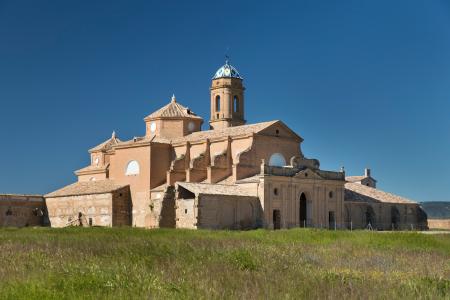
(283, 194)
(219, 212)
(122, 207)
(186, 214)
(108, 209)
(384, 216)
(22, 210)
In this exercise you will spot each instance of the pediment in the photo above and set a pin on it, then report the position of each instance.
(281, 130)
(307, 174)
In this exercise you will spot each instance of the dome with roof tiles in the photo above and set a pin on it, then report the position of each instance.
(227, 71)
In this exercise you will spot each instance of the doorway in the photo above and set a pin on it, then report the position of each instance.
(331, 220)
(395, 218)
(302, 212)
(276, 219)
(370, 218)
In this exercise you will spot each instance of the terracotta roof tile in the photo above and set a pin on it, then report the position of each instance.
(173, 110)
(360, 193)
(217, 189)
(107, 145)
(86, 188)
(224, 132)
(354, 178)
(145, 140)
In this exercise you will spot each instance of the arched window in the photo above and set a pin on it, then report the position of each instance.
(217, 103)
(395, 217)
(132, 168)
(277, 160)
(236, 104)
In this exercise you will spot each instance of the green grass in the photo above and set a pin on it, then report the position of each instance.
(99, 263)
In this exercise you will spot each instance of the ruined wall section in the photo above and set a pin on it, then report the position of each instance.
(139, 183)
(22, 210)
(122, 207)
(95, 209)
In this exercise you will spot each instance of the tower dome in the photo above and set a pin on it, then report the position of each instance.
(227, 98)
(227, 71)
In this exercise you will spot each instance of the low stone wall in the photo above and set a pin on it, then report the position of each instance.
(219, 212)
(384, 216)
(22, 210)
(107, 209)
(439, 224)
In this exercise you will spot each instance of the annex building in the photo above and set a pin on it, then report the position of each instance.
(232, 176)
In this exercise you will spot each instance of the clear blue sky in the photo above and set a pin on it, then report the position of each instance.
(365, 83)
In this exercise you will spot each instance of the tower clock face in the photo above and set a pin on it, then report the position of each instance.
(152, 126)
(227, 72)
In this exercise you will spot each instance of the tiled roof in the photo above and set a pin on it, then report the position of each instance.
(229, 131)
(107, 145)
(360, 193)
(92, 169)
(86, 188)
(354, 178)
(173, 110)
(217, 189)
(144, 140)
(202, 135)
(251, 179)
(15, 196)
(159, 188)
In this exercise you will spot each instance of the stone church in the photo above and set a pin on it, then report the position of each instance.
(233, 176)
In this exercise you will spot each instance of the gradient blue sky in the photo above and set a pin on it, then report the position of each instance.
(365, 83)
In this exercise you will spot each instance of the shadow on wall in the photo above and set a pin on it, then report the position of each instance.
(167, 217)
(19, 215)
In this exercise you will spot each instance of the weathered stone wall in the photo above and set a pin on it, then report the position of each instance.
(219, 212)
(64, 211)
(284, 193)
(122, 207)
(186, 214)
(22, 210)
(384, 216)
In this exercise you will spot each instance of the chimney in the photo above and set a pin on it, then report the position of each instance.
(367, 172)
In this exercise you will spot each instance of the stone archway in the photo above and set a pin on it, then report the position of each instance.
(395, 218)
(370, 217)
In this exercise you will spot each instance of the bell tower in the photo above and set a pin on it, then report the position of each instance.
(227, 98)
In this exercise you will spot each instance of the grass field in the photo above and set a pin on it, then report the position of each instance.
(102, 263)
